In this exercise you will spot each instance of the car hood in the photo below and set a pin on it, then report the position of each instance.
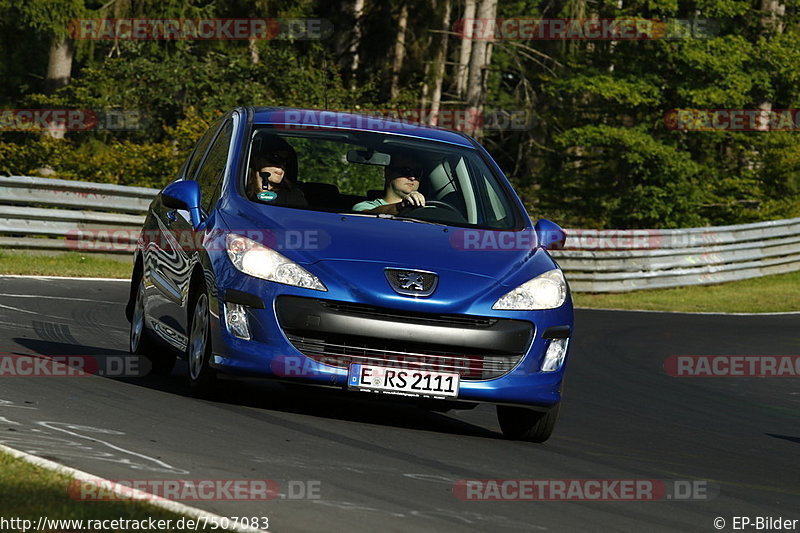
(308, 237)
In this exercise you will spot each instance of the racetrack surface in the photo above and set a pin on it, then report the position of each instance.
(383, 465)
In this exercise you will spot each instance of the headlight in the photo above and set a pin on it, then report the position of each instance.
(259, 261)
(545, 291)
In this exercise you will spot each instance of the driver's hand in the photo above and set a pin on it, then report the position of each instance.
(414, 199)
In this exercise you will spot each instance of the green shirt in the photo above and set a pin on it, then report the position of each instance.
(366, 205)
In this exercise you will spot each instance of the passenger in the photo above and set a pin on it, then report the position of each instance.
(273, 171)
(400, 191)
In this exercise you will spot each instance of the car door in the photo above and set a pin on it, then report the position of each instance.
(163, 260)
(186, 241)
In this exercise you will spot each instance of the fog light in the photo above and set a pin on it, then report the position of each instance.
(554, 357)
(236, 319)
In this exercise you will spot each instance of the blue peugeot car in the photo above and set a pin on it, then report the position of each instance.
(351, 251)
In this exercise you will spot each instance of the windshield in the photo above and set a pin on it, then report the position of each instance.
(374, 174)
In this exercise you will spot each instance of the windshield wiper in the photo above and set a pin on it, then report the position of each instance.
(389, 216)
(421, 221)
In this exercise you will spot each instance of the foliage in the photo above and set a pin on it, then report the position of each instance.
(597, 151)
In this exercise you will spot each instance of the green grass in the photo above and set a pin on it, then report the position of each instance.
(29, 492)
(64, 264)
(769, 294)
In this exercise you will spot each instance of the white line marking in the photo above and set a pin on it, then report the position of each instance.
(9, 403)
(779, 313)
(20, 310)
(59, 298)
(2, 306)
(51, 425)
(122, 491)
(25, 276)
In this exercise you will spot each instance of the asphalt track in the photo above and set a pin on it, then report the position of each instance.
(391, 467)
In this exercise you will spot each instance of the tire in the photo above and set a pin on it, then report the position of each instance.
(162, 359)
(202, 378)
(519, 423)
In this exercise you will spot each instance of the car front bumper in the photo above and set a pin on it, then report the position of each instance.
(309, 338)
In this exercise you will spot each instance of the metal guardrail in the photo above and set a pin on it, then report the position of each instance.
(54, 214)
(627, 260)
(45, 213)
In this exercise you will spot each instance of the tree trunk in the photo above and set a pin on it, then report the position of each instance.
(59, 71)
(439, 64)
(59, 66)
(399, 51)
(358, 14)
(426, 88)
(772, 13)
(466, 48)
(476, 80)
(255, 56)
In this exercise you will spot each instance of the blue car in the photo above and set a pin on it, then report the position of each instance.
(351, 251)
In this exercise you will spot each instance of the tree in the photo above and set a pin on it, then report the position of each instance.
(478, 63)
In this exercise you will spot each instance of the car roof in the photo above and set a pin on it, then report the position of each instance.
(332, 119)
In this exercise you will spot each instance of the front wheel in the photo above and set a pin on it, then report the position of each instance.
(202, 378)
(519, 423)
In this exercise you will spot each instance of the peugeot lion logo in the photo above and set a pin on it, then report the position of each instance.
(412, 282)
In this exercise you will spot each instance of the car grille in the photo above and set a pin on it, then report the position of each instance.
(420, 318)
(365, 351)
(341, 348)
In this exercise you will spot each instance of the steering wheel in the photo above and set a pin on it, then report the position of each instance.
(437, 204)
(433, 203)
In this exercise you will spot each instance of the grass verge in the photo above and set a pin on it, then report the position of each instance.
(64, 264)
(770, 294)
(28, 492)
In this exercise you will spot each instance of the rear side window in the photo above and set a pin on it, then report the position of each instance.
(199, 151)
(214, 166)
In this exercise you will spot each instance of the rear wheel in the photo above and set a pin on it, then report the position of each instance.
(162, 359)
(519, 423)
(202, 378)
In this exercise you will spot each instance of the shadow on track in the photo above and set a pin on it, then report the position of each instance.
(332, 403)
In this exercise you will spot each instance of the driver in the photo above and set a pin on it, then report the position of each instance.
(273, 171)
(402, 177)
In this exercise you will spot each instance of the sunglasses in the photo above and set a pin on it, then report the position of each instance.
(276, 157)
(404, 171)
(264, 174)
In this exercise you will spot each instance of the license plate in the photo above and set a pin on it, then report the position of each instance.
(402, 381)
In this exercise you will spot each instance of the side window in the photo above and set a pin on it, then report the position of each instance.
(199, 150)
(496, 210)
(214, 166)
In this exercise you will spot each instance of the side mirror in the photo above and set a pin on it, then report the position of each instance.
(550, 235)
(184, 194)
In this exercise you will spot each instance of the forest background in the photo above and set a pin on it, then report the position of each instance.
(584, 127)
